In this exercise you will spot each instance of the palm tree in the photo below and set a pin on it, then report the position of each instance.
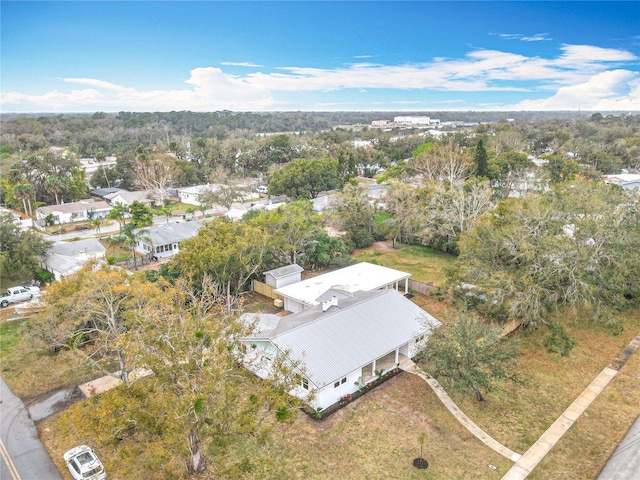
(24, 191)
(96, 224)
(131, 236)
(117, 213)
(56, 186)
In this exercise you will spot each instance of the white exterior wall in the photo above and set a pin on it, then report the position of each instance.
(328, 395)
(284, 281)
(293, 305)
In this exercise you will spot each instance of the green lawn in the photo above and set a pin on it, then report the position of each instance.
(425, 264)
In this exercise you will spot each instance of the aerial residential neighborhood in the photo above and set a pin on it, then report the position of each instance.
(319, 240)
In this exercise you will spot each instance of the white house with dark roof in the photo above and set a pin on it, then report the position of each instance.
(362, 276)
(341, 344)
(66, 258)
(164, 240)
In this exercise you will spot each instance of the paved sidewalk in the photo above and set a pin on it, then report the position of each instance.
(480, 434)
(546, 442)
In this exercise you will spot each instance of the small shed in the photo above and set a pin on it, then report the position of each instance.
(283, 276)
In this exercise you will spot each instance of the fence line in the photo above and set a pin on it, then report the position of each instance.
(266, 290)
(420, 287)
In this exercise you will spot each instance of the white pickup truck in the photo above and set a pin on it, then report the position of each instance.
(18, 294)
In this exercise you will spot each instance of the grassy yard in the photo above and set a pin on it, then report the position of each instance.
(379, 435)
(425, 264)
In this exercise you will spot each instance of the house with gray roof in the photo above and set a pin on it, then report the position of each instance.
(66, 258)
(164, 240)
(74, 212)
(341, 344)
(126, 198)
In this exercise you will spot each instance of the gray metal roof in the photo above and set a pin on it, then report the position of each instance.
(65, 257)
(81, 206)
(172, 232)
(88, 246)
(285, 271)
(345, 338)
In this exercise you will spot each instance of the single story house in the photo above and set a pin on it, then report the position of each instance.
(362, 276)
(625, 180)
(103, 192)
(283, 276)
(341, 345)
(191, 195)
(164, 240)
(126, 198)
(75, 211)
(66, 258)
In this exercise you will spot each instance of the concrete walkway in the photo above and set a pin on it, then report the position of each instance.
(523, 467)
(480, 434)
(525, 463)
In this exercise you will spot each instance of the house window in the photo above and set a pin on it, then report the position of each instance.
(340, 382)
(305, 383)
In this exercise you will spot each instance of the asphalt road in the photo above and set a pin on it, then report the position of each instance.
(624, 464)
(23, 457)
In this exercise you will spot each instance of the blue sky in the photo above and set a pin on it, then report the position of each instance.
(319, 56)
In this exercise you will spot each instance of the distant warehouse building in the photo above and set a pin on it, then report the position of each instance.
(414, 121)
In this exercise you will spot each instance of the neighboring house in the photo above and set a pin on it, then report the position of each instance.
(65, 258)
(625, 180)
(164, 240)
(359, 277)
(74, 212)
(191, 195)
(341, 344)
(25, 223)
(235, 214)
(126, 198)
(91, 165)
(283, 276)
(103, 192)
(323, 203)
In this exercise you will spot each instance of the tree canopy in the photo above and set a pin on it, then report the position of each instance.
(468, 354)
(19, 249)
(576, 244)
(303, 178)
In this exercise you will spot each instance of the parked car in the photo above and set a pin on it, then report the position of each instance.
(18, 294)
(84, 464)
(262, 189)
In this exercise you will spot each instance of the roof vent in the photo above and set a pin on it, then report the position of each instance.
(330, 303)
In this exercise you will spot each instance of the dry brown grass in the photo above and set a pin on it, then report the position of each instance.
(378, 436)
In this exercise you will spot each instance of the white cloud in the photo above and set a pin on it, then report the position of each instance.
(580, 72)
(92, 82)
(611, 90)
(537, 37)
(241, 64)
